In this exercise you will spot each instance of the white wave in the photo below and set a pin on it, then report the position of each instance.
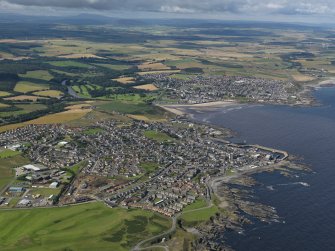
(270, 188)
(305, 184)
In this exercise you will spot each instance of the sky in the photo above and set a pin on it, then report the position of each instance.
(312, 11)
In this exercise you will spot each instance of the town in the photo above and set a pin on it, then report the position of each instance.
(161, 167)
(199, 89)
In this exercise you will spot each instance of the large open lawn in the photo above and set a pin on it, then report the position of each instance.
(90, 226)
(25, 86)
(198, 203)
(158, 136)
(193, 217)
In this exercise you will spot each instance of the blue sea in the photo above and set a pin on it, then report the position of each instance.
(306, 203)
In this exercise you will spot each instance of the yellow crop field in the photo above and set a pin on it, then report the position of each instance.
(79, 106)
(157, 72)
(3, 105)
(11, 127)
(146, 118)
(302, 78)
(74, 112)
(79, 55)
(61, 117)
(24, 87)
(4, 94)
(24, 97)
(125, 80)
(147, 87)
(6, 55)
(49, 93)
(153, 66)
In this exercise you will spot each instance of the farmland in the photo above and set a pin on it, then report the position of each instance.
(62, 117)
(40, 74)
(24, 97)
(4, 94)
(49, 93)
(68, 64)
(25, 86)
(3, 105)
(71, 114)
(148, 87)
(23, 109)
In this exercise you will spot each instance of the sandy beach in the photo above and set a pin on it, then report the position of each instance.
(324, 83)
(181, 109)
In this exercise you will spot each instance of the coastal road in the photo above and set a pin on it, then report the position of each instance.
(162, 235)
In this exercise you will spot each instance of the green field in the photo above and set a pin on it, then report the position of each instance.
(90, 226)
(201, 215)
(116, 67)
(93, 131)
(149, 167)
(40, 74)
(131, 98)
(46, 192)
(181, 76)
(64, 73)
(76, 168)
(6, 169)
(128, 107)
(82, 90)
(25, 86)
(158, 136)
(198, 203)
(7, 153)
(69, 63)
(23, 109)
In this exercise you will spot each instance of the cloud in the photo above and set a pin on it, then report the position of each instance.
(251, 7)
